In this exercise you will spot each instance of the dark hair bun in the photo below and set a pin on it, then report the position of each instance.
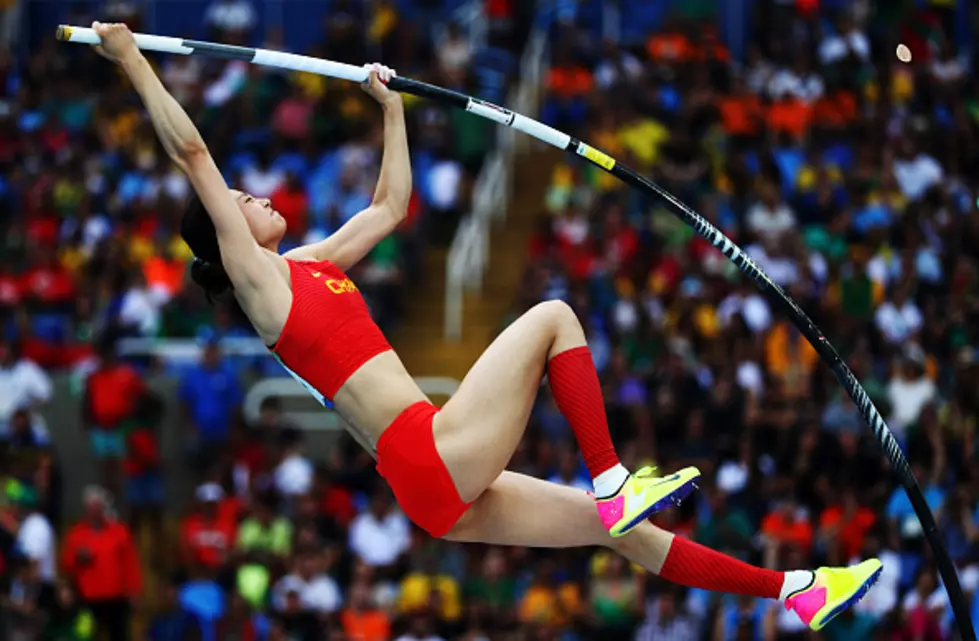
(210, 276)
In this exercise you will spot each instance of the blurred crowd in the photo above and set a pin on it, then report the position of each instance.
(842, 171)
(846, 174)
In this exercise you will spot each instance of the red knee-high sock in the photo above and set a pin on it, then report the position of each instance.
(695, 566)
(578, 395)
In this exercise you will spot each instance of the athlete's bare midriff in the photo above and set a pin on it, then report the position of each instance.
(373, 396)
(376, 393)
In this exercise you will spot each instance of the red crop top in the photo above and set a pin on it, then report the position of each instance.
(329, 332)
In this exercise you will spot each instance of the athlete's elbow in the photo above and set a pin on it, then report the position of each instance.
(186, 153)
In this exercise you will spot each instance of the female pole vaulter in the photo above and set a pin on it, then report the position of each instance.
(445, 466)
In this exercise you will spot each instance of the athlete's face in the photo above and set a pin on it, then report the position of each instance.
(267, 226)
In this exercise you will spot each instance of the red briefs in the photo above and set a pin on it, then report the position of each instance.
(409, 462)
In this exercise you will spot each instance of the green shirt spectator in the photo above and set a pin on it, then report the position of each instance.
(264, 531)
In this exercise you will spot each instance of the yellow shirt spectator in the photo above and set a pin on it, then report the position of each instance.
(312, 85)
(788, 358)
(643, 138)
(416, 589)
(548, 605)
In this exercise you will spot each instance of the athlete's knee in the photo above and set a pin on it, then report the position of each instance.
(557, 313)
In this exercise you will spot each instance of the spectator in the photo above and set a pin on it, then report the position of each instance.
(294, 473)
(23, 385)
(420, 629)
(616, 596)
(362, 621)
(100, 557)
(569, 470)
(770, 218)
(548, 601)
(68, 620)
(381, 534)
(207, 535)
(908, 392)
(316, 591)
(666, 618)
(240, 622)
(143, 465)
(264, 531)
(211, 394)
(23, 603)
(425, 589)
(112, 393)
(35, 540)
(231, 20)
(172, 623)
(843, 526)
(787, 526)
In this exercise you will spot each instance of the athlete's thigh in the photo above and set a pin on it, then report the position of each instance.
(479, 428)
(522, 510)
(525, 511)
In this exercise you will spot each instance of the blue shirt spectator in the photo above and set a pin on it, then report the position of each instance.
(211, 394)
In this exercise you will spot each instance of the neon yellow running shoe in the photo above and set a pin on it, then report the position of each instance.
(642, 495)
(833, 591)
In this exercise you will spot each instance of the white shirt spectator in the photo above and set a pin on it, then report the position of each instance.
(898, 322)
(753, 308)
(294, 475)
(572, 229)
(786, 83)
(443, 183)
(770, 222)
(454, 53)
(680, 627)
(231, 15)
(140, 309)
(783, 269)
(379, 542)
(947, 70)
(732, 477)
(750, 378)
(883, 598)
(261, 183)
(937, 600)
(320, 593)
(35, 540)
(223, 89)
(22, 385)
(607, 72)
(838, 46)
(907, 399)
(916, 175)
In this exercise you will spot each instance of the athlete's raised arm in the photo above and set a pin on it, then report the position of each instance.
(390, 204)
(241, 256)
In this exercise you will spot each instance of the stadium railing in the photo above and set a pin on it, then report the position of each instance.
(470, 249)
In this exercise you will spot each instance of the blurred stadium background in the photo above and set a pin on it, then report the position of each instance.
(162, 479)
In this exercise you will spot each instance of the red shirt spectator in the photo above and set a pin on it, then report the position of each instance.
(337, 502)
(9, 289)
(164, 273)
(292, 204)
(786, 526)
(142, 452)
(48, 282)
(847, 524)
(111, 392)
(100, 556)
(208, 535)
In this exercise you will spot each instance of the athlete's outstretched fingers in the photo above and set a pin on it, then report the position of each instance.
(522, 510)
(479, 428)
